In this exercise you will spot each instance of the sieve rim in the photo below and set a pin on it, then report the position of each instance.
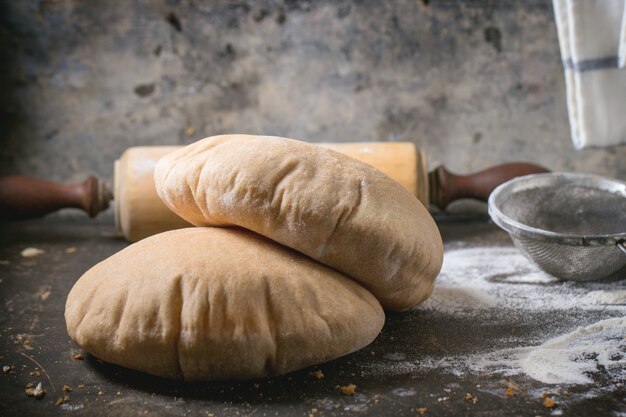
(516, 228)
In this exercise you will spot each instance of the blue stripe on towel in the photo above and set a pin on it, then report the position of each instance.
(591, 64)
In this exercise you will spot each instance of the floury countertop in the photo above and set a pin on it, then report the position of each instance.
(497, 338)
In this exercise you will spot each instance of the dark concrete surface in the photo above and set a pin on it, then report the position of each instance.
(472, 82)
(35, 345)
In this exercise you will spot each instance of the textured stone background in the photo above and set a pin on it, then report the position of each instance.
(474, 83)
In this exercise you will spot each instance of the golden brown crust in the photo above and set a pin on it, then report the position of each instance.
(218, 303)
(333, 208)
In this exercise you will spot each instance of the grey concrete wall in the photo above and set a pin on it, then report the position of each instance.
(474, 83)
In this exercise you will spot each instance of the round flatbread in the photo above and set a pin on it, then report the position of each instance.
(333, 208)
(216, 304)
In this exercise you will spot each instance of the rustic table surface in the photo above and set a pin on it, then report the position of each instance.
(420, 364)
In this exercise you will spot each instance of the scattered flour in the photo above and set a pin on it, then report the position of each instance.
(404, 392)
(459, 299)
(477, 282)
(607, 297)
(395, 356)
(566, 359)
(483, 278)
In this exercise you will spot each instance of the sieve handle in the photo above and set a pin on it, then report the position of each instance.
(446, 187)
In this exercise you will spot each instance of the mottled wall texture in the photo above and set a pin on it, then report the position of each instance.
(474, 83)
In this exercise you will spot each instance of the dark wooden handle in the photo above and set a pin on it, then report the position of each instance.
(24, 198)
(446, 187)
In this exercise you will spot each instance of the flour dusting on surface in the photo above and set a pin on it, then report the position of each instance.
(607, 297)
(566, 359)
(480, 278)
(487, 282)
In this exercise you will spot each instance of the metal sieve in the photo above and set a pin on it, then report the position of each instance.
(573, 226)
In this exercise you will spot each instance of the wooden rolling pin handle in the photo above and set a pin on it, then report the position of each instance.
(446, 187)
(24, 198)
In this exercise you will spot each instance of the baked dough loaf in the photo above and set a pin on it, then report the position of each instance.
(218, 303)
(333, 208)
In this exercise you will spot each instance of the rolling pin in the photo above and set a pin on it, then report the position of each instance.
(140, 213)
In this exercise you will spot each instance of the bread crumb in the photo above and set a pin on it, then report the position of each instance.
(6, 369)
(67, 388)
(100, 392)
(509, 392)
(44, 293)
(71, 249)
(442, 399)
(62, 400)
(37, 392)
(317, 374)
(421, 410)
(32, 252)
(548, 402)
(472, 398)
(78, 357)
(81, 385)
(349, 389)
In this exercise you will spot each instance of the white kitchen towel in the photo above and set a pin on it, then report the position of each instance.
(592, 38)
(622, 42)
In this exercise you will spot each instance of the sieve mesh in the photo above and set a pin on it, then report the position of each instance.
(581, 263)
(568, 224)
